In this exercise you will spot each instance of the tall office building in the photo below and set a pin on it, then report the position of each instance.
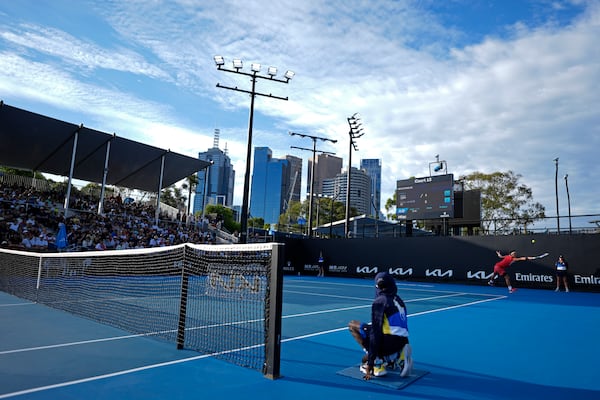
(360, 189)
(216, 181)
(327, 166)
(372, 167)
(270, 185)
(294, 180)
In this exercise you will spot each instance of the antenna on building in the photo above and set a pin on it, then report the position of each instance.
(226, 151)
(216, 138)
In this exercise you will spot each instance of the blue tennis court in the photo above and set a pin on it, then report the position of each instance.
(473, 342)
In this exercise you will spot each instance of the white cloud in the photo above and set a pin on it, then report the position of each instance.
(74, 52)
(503, 104)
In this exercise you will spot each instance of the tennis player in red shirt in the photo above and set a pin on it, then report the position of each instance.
(502, 265)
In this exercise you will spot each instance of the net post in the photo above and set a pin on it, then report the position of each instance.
(39, 274)
(271, 368)
(39, 278)
(182, 303)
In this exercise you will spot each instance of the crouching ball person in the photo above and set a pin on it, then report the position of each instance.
(385, 338)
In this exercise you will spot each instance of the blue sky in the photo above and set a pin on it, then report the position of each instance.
(488, 85)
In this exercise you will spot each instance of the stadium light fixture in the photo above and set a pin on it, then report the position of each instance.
(356, 131)
(289, 75)
(312, 174)
(254, 75)
(556, 195)
(219, 60)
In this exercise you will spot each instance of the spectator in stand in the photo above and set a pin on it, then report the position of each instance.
(17, 226)
(100, 245)
(39, 242)
(109, 242)
(88, 242)
(27, 239)
(131, 222)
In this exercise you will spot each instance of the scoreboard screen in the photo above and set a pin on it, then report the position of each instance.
(431, 197)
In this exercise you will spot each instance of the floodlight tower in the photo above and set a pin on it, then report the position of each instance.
(356, 131)
(568, 202)
(254, 75)
(312, 173)
(556, 195)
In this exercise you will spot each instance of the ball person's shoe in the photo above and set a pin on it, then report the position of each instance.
(379, 370)
(408, 361)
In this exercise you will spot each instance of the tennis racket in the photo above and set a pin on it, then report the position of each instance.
(540, 256)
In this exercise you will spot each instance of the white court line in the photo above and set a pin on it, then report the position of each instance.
(330, 283)
(337, 296)
(82, 342)
(361, 306)
(17, 304)
(409, 315)
(400, 285)
(202, 356)
(53, 346)
(119, 373)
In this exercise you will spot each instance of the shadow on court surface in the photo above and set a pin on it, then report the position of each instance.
(535, 344)
(391, 380)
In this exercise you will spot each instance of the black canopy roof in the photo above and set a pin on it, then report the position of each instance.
(39, 143)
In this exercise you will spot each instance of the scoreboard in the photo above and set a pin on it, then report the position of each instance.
(431, 197)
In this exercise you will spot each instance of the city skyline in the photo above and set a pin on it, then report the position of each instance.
(220, 177)
(488, 86)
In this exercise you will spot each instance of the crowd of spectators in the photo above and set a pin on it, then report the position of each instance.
(30, 220)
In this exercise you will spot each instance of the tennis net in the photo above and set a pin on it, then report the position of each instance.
(219, 300)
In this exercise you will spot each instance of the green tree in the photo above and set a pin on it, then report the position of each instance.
(174, 197)
(92, 189)
(329, 210)
(288, 221)
(224, 213)
(190, 184)
(506, 204)
(22, 172)
(256, 223)
(390, 208)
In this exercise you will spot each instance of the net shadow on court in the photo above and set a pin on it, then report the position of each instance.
(459, 336)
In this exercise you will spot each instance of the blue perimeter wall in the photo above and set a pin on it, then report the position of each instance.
(461, 259)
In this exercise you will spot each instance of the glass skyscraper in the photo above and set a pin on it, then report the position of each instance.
(373, 168)
(360, 189)
(270, 186)
(216, 181)
(295, 180)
